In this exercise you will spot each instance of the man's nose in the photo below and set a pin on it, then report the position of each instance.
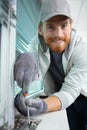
(58, 32)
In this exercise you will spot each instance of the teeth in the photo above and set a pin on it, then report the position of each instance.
(58, 41)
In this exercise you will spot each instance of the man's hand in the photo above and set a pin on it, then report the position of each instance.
(25, 69)
(20, 104)
(36, 106)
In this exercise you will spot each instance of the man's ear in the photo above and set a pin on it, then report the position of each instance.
(40, 30)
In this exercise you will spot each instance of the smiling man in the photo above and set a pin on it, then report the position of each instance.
(56, 32)
(61, 51)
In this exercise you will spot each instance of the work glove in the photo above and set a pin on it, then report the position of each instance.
(20, 104)
(25, 70)
(36, 105)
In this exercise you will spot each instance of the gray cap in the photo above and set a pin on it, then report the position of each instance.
(50, 8)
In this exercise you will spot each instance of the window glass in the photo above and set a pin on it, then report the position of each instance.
(28, 15)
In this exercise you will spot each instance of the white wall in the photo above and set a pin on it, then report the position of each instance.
(78, 11)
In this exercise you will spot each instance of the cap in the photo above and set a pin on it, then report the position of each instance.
(50, 8)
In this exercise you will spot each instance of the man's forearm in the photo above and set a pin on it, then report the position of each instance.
(53, 102)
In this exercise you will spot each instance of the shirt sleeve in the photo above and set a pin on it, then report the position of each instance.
(76, 79)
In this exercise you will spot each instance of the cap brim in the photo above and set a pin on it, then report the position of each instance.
(52, 15)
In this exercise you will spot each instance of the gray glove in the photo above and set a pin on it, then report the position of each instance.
(20, 104)
(36, 106)
(25, 69)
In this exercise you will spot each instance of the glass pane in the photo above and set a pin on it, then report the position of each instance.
(27, 25)
(35, 88)
(28, 15)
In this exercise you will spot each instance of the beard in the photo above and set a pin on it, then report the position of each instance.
(57, 44)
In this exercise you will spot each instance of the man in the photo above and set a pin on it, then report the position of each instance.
(62, 52)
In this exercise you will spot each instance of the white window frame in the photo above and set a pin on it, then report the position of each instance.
(7, 58)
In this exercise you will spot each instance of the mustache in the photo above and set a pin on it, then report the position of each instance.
(57, 39)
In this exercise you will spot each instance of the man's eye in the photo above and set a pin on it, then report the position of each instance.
(64, 25)
(49, 27)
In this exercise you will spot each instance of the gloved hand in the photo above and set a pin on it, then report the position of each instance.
(36, 105)
(20, 104)
(25, 69)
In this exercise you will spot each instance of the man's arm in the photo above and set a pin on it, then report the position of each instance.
(53, 103)
(36, 105)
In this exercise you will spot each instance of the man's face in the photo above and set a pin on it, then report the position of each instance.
(56, 33)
